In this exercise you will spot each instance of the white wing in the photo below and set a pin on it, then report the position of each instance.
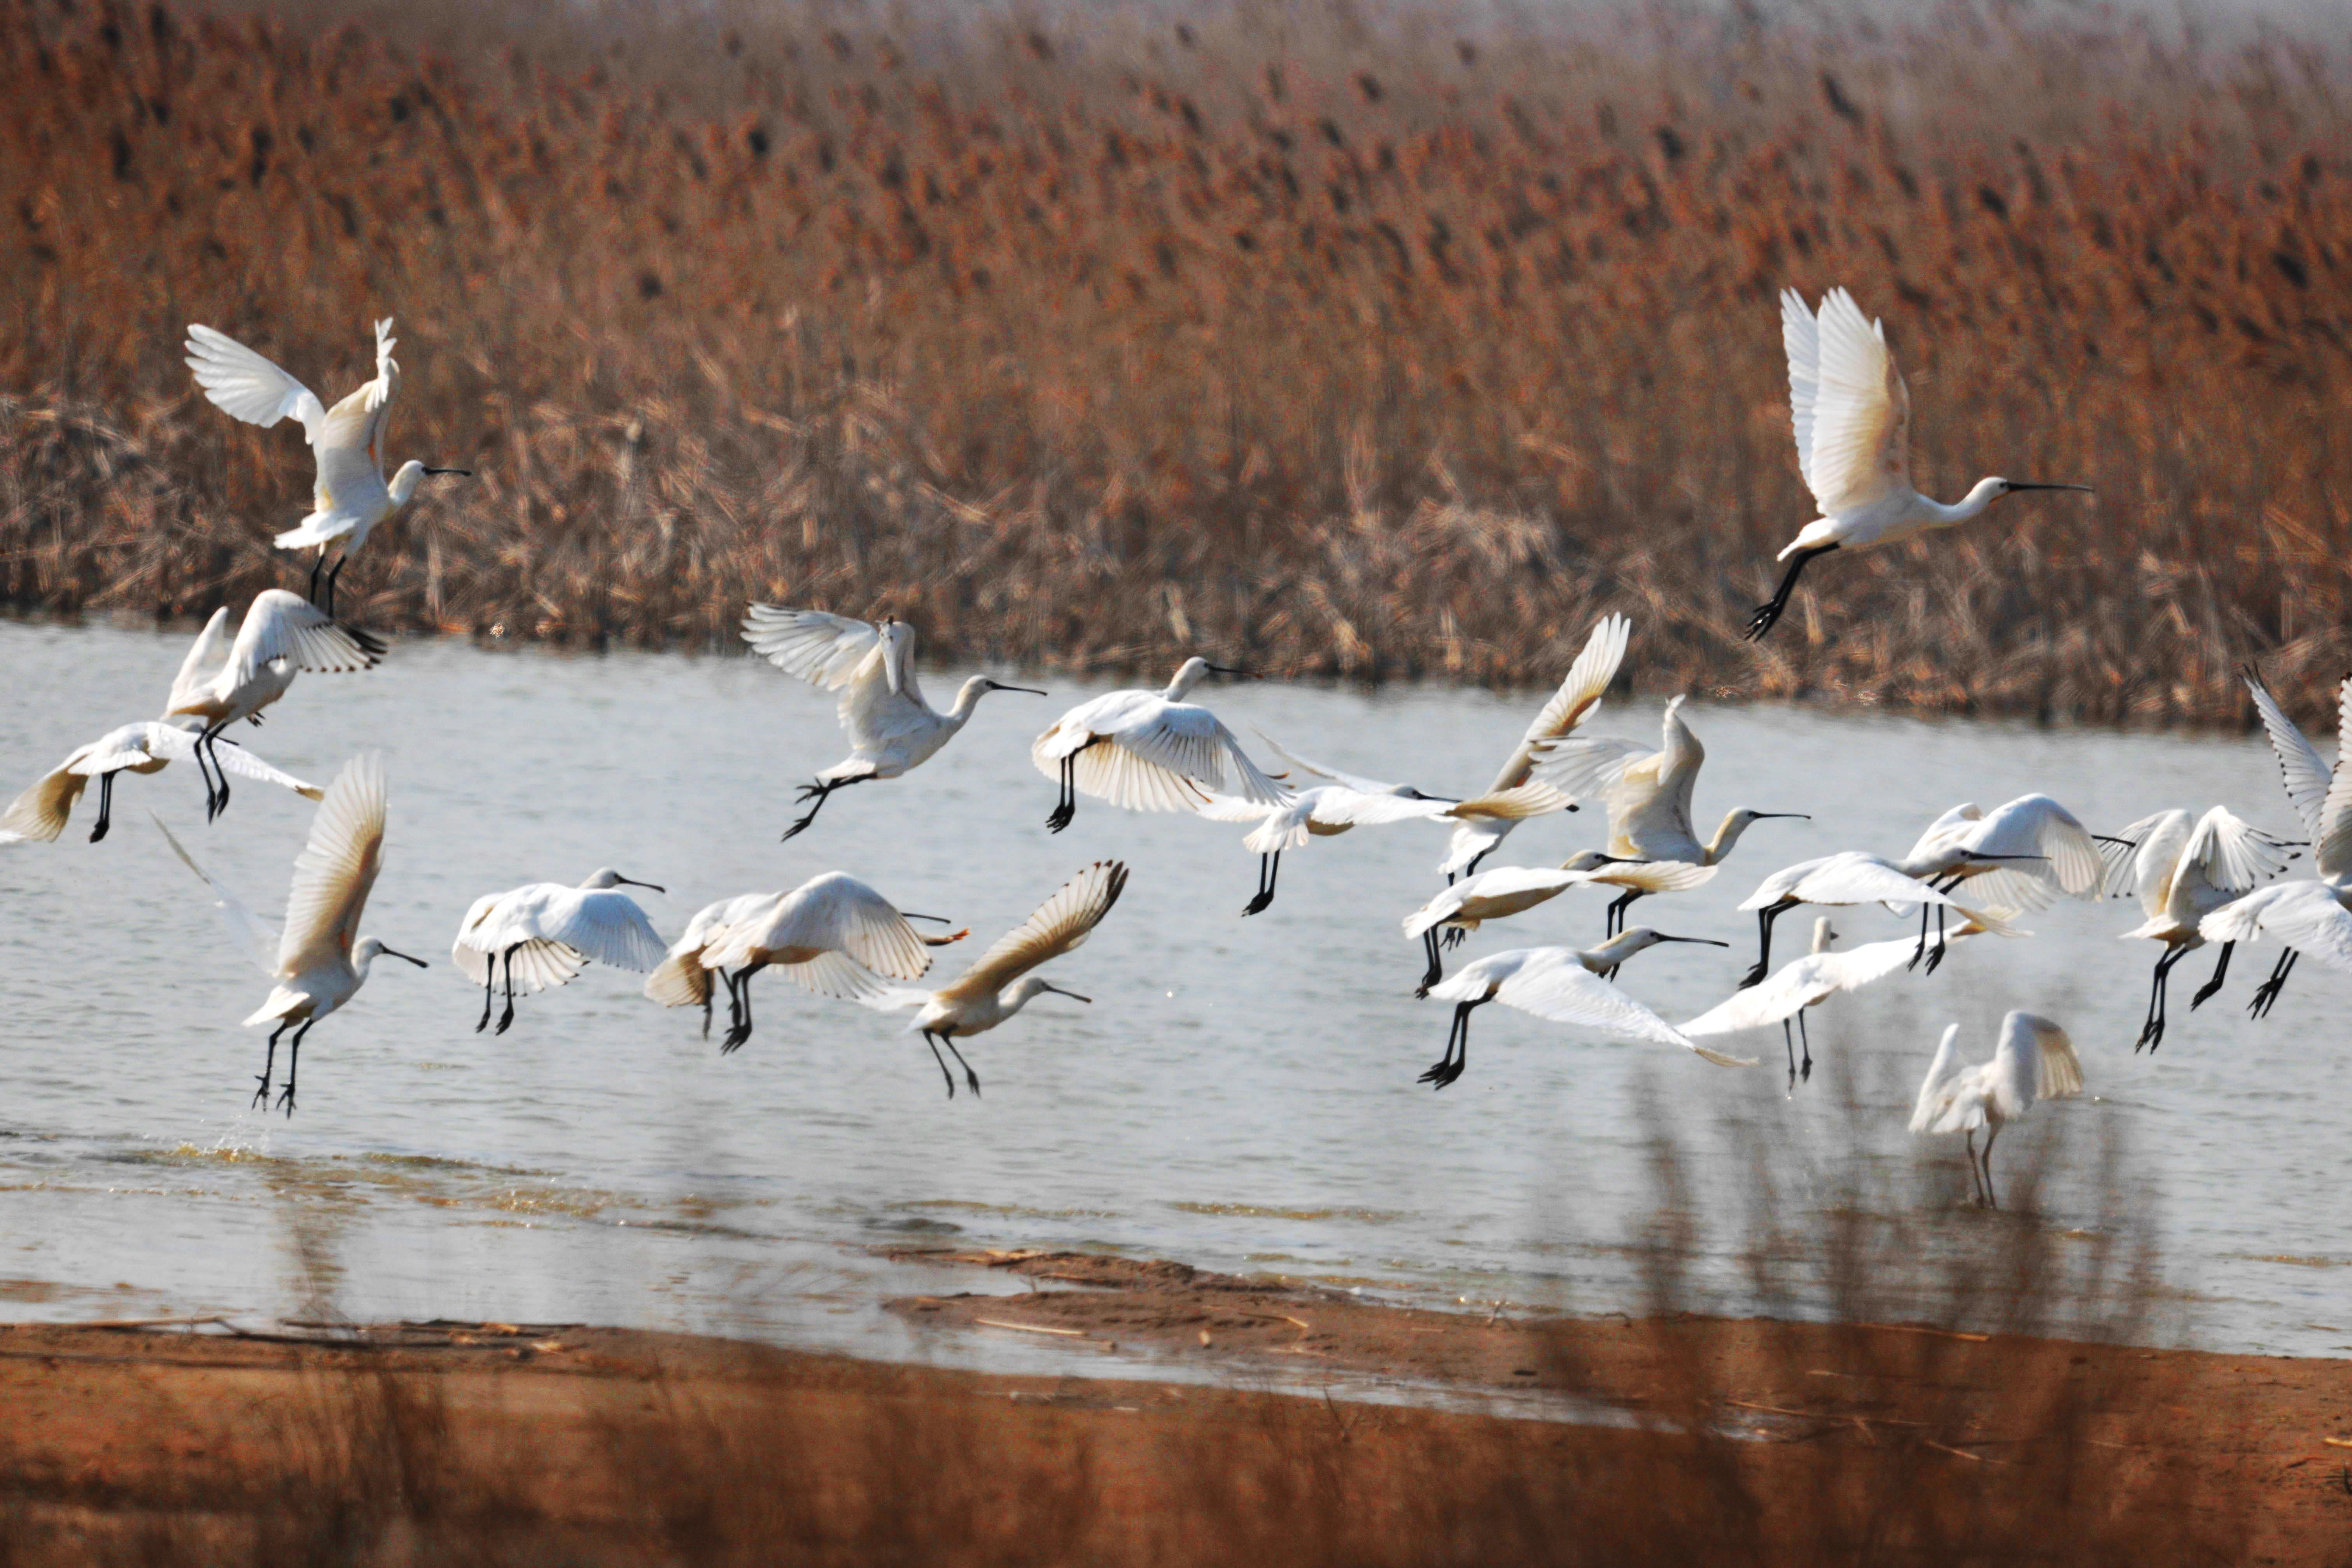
(605, 925)
(1589, 765)
(2306, 916)
(835, 913)
(246, 386)
(1337, 805)
(1802, 338)
(1858, 879)
(254, 936)
(2057, 1070)
(2331, 850)
(204, 657)
(809, 644)
(280, 625)
(1564, 992)
(350, 441)
(2305, 776)
(1356, 781)
(337, 868)
(1858, 412)
(1059, 924)
(840, 977)
(1233, 808)
(1182, 741)
(2231, 855)
(2146, 862)
(1577, 698)
(1796, 986)
(2052, 848)
(1935, 1090)
(174, 745)
(1501, 882)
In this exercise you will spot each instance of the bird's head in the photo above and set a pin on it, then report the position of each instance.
(1635, 939)
(1038, 985)
(369, 949)
(605, 877)
(1197, 669)
(410, 474)
(1992, 489)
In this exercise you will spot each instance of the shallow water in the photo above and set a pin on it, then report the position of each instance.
(1241, 1094)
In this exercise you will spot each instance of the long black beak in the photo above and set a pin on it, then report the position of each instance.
(1800, 815)
(468, 472)
(1228, 669)
(418, 961)
(911, 915)
(633, 882)
(2119, 843)
(2022, 485)
(1071, 995)
(1700, 941)
(1030, 689)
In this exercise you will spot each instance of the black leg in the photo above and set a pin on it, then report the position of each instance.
(1766, 615)
(507, 1018)
(293, 1063)
(1806, 1072)
(932, 1040)
(1269, 867)
(269, 1061)
(211, 743)
(2266, 996)
(1471, 869)
(1436, 970)
(1617, 907)
(2220, 969)
(705, 1002)
(2151, 1033)
(1764, 918)
(1065, 805)
(1789, 1045)
(1920, 951)
(205, 772)
(105, 806)
(1975, 1182)
(1936, 954)
(332, 572)
(1992, 1200)
(970, 1079)
(739, 1029)
(489, 991)
(1450, 1065)
(315, 566)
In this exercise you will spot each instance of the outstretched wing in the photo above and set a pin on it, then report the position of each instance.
(204, 659)
(1796, 986)
(1860, 411)
(350, 441)
(1935, 1088)
(606, 926)
(2231, 854)
(1565, 991)
(244, 385)
(337, 868)
(1179, 738)
(2305, 776)
(834, 911)
(811, 644)
(176, 744)
(254, 936)
(2143, 859)
(2306, 916)
(1059, 924)
(280, 625)
(1356, 781)
(2331, 849)
(1577, 698)
(1859, 879)
(1589, 765)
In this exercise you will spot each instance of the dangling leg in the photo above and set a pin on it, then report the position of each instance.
(332, 572)
(1976, 1184)
(2266, 996)
(312, 594)
(1992, 1200)
(2152, 1034)
(1457, 1050)
(1936, 955)
(706, 1001)
(970, 1079)
(205, 772)
(2205, 992)
(740, 1029)
(1762, 621)
(1269, 867)
(293, 1064)
(1764, 918)
(507, 1018)
(1920, 951)
(105, 806)
(819, 791)
(1617, 907)
(1806, 1072)
(1789, 1045)
(1065, 805)
(269, 1061)
(210, 742)
(932, 1041)
(489, 991)
(1436, 970)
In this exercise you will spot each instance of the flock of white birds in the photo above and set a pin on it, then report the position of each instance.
(2199, 878)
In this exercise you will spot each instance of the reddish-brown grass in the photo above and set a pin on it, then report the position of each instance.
(1359, 350)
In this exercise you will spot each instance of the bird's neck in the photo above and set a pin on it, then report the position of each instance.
(404, 483)
(1615, 951)
(1967, 506)
(1726, 834)
(967, 700)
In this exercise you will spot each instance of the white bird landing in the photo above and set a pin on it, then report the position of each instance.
(1148, 750)
(833, 935)
(147, 747)
(1853, 418)
(890, 728)
(1502, 891)
(2034, 1060)
(1649, 799)
(551, 933)
(319, 960)
(1349, 800)
(221, 681)
(2018, 858)
(1577, 699)
(2310, 914)
(2184, 869)
(1564, 986)
(680, 980)
(1807, 983)
(351, 497)
(1000, 984)
(1852, 878)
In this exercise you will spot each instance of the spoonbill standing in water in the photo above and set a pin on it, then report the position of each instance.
(2183, 869)
(319, 960)
(147, 747)
(1852, 417)
(833, 934)
(1148, 750)
(1577, 698)
(1794, 987)
(351, 497)
(1852, 878)
(1000, 984)
(891, 729)
(2034, 1060)
(1649, 798)
(2309, 914)
(1349, 800)
(222, 681)
(1562, 984)
(553, 932)
(1501, 891)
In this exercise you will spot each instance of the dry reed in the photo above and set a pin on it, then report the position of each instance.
(1334, 341)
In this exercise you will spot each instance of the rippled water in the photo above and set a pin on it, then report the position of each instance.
(1241, 1095)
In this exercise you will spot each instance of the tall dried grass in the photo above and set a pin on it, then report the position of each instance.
(1332, 339)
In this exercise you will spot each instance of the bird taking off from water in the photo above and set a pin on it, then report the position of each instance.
(1148, 750)
(2184, 869)
(221, 681)
(1564, 986)
(319, 959)
(890, 728)
(1499, 893)
(1000, 984)
(2034, 1060)
(1577, 699)
(1794, 987)
(351, 497)
(551, 933)
(1852, 415)
(1349, 800)
(147, 747)
(1852, 878)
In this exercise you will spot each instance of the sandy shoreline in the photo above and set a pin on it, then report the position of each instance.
(556, 1431)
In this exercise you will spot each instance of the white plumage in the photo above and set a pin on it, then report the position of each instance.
(2183, 871)
(2034, 1060)
(1501, 891)
(222, 681)
(1851, 878)
(1807, 983)
(541, 934)
(834, 935)
(41, 812)
(1577, 699)
(1148, 750)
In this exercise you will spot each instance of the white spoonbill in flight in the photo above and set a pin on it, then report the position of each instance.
(1852, 417)
(2034, 1060)
(2183, 869)
(1148, 750)
(1349, 800)
(551, 933)
(1794, 987)
(2016, 857)
(351, 497)
(890, 728)
(1835, 880)
(221, 681)
(147, 747)
(1562, 984)
(2313, 913)
(1000, 984)
(319, 959)
(834, 935)
(1577, 699)
(1649, 798)
(1501, 891)
(680, 980)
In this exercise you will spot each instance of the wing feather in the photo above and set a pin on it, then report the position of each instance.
(606, 926)
(1057, 925)
(280, 625)
(2307, 779)
(821, 648)
(1564, 992)
(1577, 698)
(337, 868)
(244, 385)
(253, 936)
(1860, 410)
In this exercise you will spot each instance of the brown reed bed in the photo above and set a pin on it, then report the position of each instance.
(1352, 346)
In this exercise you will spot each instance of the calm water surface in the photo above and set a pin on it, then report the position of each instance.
(1240, 1096)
